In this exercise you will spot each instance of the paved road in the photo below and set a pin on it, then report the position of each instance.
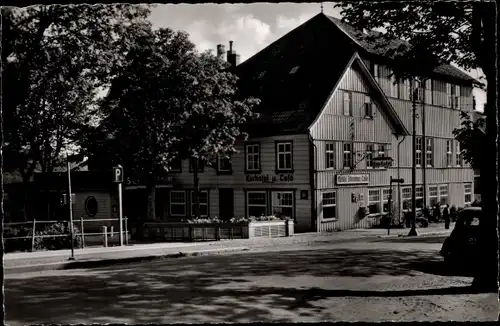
(372, 280)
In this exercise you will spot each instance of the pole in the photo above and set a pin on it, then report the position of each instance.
(413, 231)
(424, 141)
(70, 201)
(120, 215)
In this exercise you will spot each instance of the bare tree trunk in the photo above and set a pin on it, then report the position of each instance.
(151, 189)
(196, 195)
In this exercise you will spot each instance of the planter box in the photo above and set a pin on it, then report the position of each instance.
(177, 231)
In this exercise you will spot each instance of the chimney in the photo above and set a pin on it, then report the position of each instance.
(232, 58)
(220, 51)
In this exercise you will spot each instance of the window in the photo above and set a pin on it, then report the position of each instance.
(443, 195)
(419, 197)
(428, 152)
(282, 204)
(449, 95)
(347, 103)
(449, 153)
(456, 97)
(252, 153)
(433, 195)
(329, 203)
(203, 198)
(393, 84)
(374, 201)
(368, 107)
(386, 193)
(191, 164)
(418, 151)
(369, 156)
(468, 193)
(405, 90)
(348, 158)
(406, 197)
(177, 203)
(176, 165)
(224, 163)
(256, 203)
(381, 150)
(330, 155)
(458, 155)
(375, 71)
(428, 91)
(284, 156)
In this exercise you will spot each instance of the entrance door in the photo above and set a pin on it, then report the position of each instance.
(226, 203)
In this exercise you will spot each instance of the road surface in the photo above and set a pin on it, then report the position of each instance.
(371, 280)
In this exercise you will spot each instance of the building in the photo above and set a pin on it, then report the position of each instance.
(329, 109)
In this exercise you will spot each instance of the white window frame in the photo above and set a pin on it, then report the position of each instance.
(255, 155)
(330, 156)
(329, 202)
(266, 199)
(283, 153)
(347, 103)
(433, 189)
(201, 204)
(449, 153)
(220, 159)
(456, 97)
(347, 153)
(276, 202)
(419, 194)
(405, 191)
(449, 95)
(441, 195)
(172, 203)
(377, 193)
(381, 150)
(429, 152)
(468, 193)
(385, 193)
(418, 151)
(369, 151)
(458, 155)
(393, 85)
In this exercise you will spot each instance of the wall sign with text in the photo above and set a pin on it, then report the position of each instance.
(349, 179)
(266, 178)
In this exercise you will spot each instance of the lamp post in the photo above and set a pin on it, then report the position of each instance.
(413, 231)
(70, 202)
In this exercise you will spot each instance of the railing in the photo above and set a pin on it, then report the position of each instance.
(105, 233)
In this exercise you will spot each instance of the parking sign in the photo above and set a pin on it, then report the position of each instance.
(118, 174)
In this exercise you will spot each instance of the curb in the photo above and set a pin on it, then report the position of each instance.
(420, 235)
(97, 263)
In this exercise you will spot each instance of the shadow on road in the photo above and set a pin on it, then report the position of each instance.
(243, 287)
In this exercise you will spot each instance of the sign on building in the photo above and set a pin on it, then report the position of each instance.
(382, 162)
(346, 179)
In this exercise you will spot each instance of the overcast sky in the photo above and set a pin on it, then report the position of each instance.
(251, 26)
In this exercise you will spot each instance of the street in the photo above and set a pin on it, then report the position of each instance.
(371, 280)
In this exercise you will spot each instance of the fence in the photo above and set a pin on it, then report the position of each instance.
(82, 234)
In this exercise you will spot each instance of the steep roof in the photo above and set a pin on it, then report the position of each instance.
(295, 75)
(380, 48)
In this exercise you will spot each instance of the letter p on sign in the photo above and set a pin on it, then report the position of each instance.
(118, 174)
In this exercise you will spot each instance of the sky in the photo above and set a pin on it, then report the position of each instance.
(252, 27)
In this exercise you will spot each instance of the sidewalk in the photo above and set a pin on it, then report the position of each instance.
(101, 256)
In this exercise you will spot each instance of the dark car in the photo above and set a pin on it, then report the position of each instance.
(460, 248)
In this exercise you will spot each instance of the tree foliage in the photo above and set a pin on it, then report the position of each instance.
(170, 102)
(460, 32)
(471, 136)
(55, 59)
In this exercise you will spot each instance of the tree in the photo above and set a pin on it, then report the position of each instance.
(459, 32)
(56, 58)
(214, 117)
(471, 136)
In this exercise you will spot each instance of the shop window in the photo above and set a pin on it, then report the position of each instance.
(203, 198)
(433, 195)
(282, 203)
(329, 204)
(256, 203)
(374, 201)
(177, 203)
(443, 195)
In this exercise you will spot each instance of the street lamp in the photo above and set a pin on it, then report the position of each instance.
(70, 201)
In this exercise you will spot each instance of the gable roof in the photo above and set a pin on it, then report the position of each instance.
(295, 76)
(362, 39)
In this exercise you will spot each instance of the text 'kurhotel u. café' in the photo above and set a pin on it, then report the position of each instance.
(330, 113)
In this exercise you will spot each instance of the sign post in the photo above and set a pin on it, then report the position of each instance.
(118, 178)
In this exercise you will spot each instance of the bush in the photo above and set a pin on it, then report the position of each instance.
(13, 245)
(60, 242)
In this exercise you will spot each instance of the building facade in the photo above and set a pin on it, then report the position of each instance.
(330, 109)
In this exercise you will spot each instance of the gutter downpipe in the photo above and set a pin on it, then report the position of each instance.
(313, 176)
(399, 184)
